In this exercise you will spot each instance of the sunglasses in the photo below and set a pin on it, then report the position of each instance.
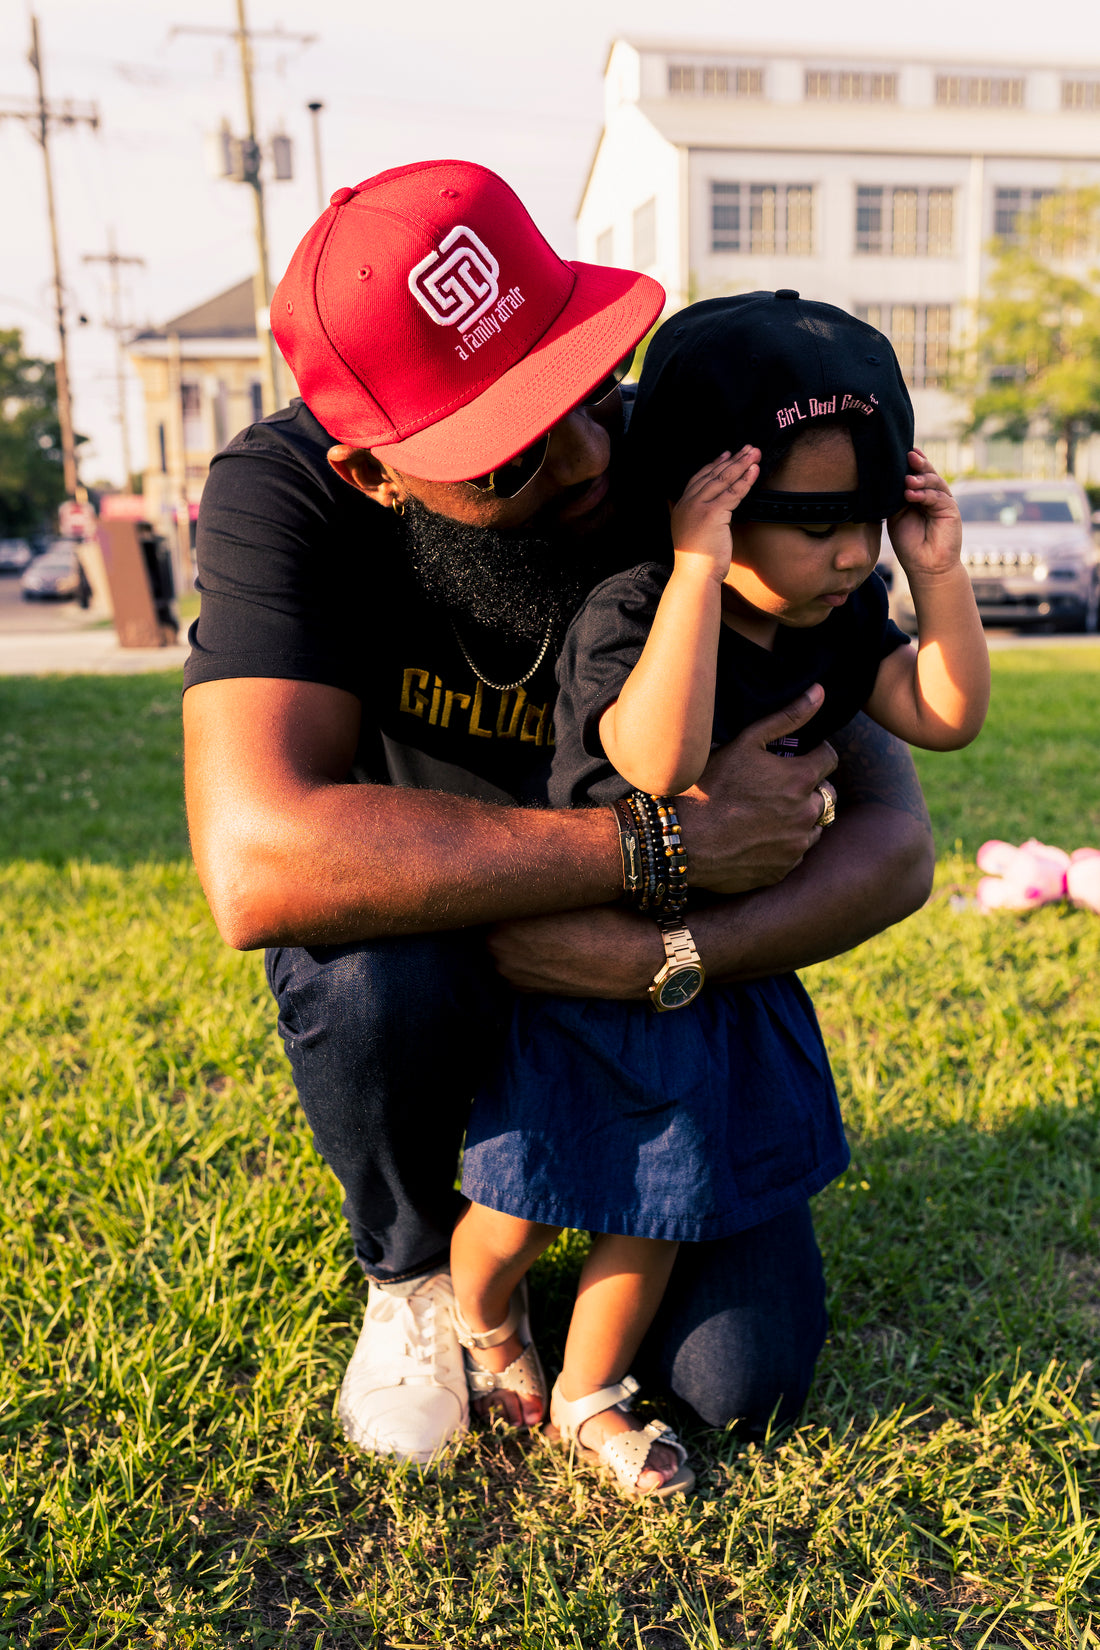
(510, 478)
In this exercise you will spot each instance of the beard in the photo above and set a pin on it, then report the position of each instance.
(516, 585)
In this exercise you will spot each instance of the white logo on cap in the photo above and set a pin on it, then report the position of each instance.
(458, 282)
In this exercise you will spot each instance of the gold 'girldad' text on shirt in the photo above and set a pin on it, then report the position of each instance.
(485, 713)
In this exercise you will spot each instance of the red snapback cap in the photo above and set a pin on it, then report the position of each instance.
(425, 317)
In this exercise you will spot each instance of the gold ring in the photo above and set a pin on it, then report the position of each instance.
(828, 804)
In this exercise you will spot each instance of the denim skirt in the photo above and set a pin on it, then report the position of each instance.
(689, 1125)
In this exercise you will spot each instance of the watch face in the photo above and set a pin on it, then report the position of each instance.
(680, 987)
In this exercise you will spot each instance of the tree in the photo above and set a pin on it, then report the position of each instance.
(1036, 359)
(32, 482)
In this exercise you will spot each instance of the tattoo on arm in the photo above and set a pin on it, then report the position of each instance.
(876, 767)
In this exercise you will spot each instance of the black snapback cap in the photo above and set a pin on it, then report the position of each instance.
(759, 367)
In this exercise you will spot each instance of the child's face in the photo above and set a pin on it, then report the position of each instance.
(798, 575)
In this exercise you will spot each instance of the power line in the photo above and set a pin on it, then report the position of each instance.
(250, 173)
(40, 117)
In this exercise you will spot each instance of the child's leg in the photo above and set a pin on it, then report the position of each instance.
(621, 1286)
(490, 1253)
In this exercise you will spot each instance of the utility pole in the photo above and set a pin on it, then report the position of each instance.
(315, 110)
(271, 360)
(114, 259)
(40, 117)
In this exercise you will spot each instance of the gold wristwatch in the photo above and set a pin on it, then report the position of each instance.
(680, 981)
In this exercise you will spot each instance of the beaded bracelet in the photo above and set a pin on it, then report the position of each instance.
(672, 843)
(657, 889)
(653, 854)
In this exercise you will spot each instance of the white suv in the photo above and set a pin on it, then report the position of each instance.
(1029, 549)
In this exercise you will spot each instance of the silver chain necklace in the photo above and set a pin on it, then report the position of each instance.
(504, 687)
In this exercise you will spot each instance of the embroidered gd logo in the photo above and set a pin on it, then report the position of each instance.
(458, 282)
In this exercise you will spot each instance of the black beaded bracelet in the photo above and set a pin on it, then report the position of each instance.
(657, 889)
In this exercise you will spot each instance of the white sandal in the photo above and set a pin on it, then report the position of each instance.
(624, 1456)
(524, 1375)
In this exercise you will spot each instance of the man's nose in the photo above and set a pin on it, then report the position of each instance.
(579, 449)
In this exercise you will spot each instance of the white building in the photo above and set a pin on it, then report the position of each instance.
(867, 182)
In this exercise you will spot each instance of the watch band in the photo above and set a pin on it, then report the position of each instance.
(679, 945)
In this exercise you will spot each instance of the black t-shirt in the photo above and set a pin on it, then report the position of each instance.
(303, 578)
(606, 638)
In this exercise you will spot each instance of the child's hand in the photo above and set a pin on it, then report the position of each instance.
(701, 519)
(927, 534)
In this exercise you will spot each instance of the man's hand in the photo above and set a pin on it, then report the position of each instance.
(873, 868)
(753, 815)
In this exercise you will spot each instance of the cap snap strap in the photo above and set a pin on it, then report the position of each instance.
(477, 1341)
(765, 505)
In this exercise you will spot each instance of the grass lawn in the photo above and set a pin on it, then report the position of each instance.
(178, 1300)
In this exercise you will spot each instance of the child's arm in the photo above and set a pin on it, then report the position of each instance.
(657, 733)
(935, 697)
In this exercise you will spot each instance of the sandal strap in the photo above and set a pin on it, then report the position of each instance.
(570, 1416)
(480, 1340)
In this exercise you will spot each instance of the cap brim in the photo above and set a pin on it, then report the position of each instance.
(607, 313)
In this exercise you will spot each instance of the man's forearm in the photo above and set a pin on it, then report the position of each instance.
(361, 861)
(290, 855)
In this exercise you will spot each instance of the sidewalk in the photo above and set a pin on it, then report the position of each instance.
(80, 652)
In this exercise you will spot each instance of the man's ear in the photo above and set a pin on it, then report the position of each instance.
(360, 469)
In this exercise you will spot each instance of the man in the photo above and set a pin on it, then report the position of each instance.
(388, 568)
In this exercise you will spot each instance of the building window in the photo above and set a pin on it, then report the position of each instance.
(1081, 94)
(906, 222)
(921, 336)
(1009, 206)
(162, 447)
(605, 247)
(191, 404)
(850, 86)
(221, 415)
(256, 391)
(761, 217)
(645, 234)
(980, 91)
(712, 81)
(1059, 225)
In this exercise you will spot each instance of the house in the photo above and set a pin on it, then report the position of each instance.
(202, 382)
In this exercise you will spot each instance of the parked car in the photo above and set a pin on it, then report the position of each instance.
(56, 576)
(1030, 552)
(15, 554)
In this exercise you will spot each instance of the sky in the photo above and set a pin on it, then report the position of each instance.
(514, 84)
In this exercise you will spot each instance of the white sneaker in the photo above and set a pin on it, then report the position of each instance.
(404, 1393)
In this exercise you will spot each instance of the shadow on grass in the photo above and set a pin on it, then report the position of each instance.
(91, 768)
(957, 1252)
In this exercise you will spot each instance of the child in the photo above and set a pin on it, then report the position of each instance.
(647, 1130)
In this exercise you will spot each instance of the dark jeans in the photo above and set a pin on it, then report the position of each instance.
(387, 1041)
